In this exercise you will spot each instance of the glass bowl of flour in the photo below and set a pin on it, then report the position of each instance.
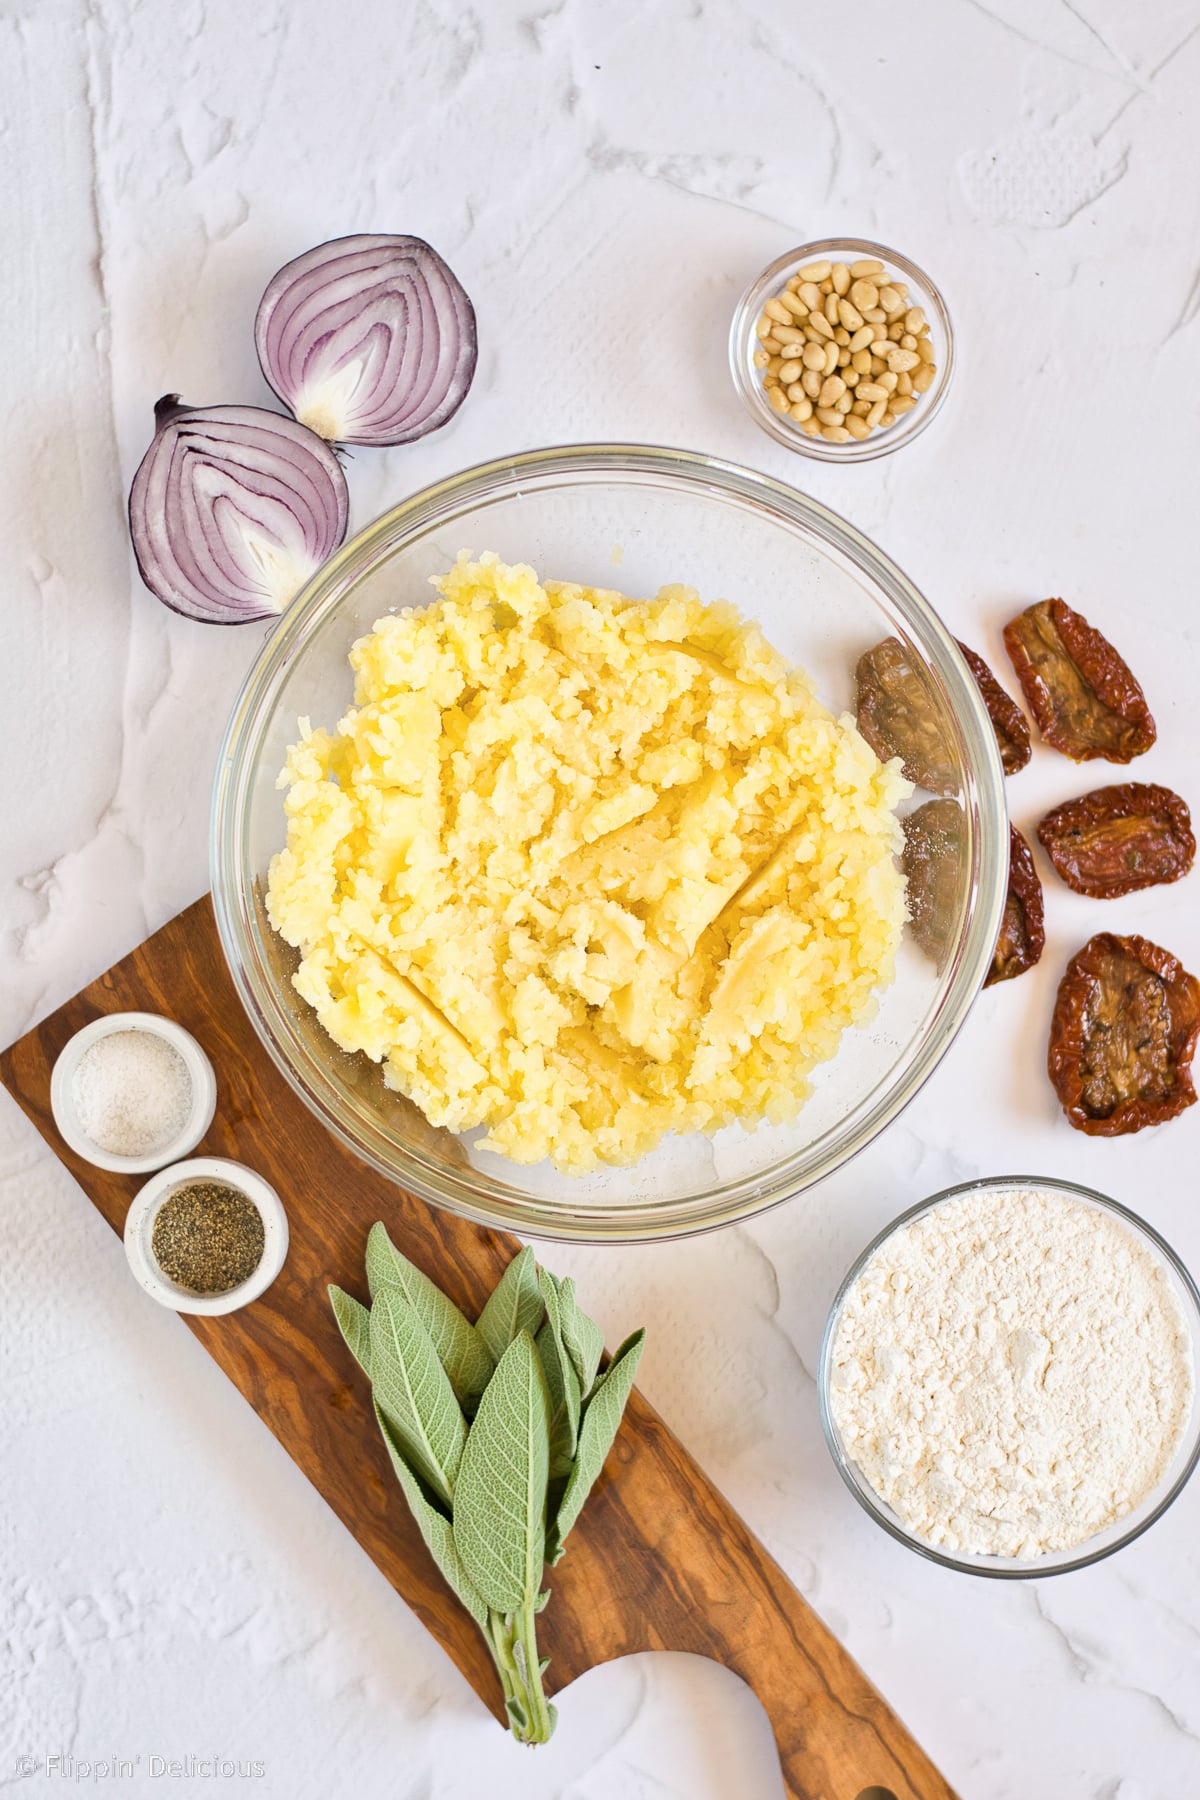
(1007, 1377)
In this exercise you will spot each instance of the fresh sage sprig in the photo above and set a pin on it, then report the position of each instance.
(496, 1431)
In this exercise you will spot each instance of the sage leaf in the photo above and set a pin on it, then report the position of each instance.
(515, 1306)
(354, 1322)
(601, 1422)
(500, 1493)
(562, 1384)
(461, 1351)
(414, 1393)
(582, 1337)
(434, 1526)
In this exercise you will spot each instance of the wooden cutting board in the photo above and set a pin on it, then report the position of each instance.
(658, 1561)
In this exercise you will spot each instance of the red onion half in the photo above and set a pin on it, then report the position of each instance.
(369, 339)
(232, 510)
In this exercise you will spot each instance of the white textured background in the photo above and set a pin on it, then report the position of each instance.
(605, 178)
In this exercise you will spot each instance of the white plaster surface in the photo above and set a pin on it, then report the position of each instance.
(605, 178)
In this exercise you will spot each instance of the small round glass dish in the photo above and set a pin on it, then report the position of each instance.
(744, 342)
(1103, 1543)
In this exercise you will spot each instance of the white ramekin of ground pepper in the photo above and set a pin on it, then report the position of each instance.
(132, 1092)
(206, 1236)
(798, 353)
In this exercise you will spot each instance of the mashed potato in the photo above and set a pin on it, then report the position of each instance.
(585, 870)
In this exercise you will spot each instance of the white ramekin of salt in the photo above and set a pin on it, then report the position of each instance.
(132, 1092)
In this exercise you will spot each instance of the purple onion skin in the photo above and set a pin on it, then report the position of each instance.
(369, 339)
(232, 509)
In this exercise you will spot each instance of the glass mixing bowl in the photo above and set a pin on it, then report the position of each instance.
(1114, 1537)
(634, 518)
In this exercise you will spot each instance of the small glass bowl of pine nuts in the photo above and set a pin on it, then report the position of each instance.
(842, 349)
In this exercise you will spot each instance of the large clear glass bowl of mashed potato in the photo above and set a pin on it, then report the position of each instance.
(808, 594)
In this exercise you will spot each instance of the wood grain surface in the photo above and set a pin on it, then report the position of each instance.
(658, 1561)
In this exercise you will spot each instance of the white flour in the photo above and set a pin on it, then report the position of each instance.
(1012, 1373)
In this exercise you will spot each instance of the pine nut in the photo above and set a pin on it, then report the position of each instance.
(841, 352)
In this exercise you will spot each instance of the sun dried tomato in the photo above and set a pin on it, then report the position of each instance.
(1121, 1041)
(933, 851)
(1118, 839)
(1023, 927)
(1083, 696)
(897, 716)
(1008, 721)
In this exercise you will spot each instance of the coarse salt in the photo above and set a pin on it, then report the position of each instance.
(132, 1093)
(1012, 1373)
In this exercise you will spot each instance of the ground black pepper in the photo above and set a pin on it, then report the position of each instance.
(208, 1237)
